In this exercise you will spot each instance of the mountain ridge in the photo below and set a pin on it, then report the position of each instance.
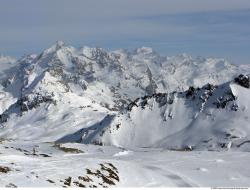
(78, 89)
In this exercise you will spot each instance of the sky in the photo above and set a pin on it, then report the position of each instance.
(209, 28)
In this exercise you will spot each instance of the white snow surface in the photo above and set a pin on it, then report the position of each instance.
(139, 168)
(89, 117)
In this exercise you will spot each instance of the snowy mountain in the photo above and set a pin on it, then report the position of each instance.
(69, 99)
(207, 118)
(91, 81)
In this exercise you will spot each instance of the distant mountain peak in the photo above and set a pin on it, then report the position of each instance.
(144, 50)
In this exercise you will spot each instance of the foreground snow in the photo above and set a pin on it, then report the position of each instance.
(50, 165)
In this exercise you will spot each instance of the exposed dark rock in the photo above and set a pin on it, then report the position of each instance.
(243, 80)
(4, 118)
(50, 181)
(12, 185)
(118, 126)
(4, 169)
(68, 149)
(185, 148)
(131, 105)
(144, 102)
(224, 100)
(234, 107)
(68, 181)
(78, 184)
(108, 173)
(210, 87)
(161, 98)
(34, 100)
(190, 92)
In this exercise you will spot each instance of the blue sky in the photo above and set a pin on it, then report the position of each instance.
(217, 28)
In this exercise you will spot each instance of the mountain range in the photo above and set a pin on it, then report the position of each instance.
(125, 98)
(96, 104)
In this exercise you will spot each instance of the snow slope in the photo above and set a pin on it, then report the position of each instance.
(79, 165)
(207, 118)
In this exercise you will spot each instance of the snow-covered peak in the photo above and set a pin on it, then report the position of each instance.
(144, 50)
(53, 49)
(87, 51)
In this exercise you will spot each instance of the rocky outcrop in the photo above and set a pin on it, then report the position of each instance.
(34, 100)
(243, 80)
